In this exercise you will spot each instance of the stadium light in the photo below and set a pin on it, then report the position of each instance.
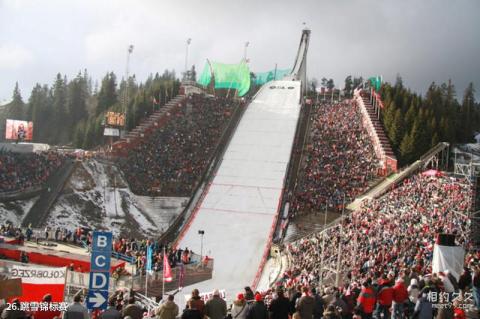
(189, 40)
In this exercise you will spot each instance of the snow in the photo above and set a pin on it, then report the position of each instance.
(15, 211)
(241, 203)
(97, 197)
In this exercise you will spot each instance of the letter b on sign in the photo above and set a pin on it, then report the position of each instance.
(102, 241)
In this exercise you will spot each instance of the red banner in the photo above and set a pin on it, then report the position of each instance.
(39, 281)
(167, 271)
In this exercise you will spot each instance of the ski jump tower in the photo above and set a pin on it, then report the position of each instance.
(299, 70)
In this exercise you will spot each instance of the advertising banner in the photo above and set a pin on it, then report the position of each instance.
(38, 281)
(18, 130)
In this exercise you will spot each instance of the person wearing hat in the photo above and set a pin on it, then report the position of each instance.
(239, 307)
(216, 307)
(280, 306)
(257, 310)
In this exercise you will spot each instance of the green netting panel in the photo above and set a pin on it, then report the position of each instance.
(227, 76)
(264, 77)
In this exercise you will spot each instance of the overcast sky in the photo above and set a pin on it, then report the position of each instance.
(423, 41)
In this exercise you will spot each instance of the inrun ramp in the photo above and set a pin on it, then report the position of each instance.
(240, 205)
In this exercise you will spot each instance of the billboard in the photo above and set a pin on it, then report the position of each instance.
(108, 131)
(19, 130)
(115, 119)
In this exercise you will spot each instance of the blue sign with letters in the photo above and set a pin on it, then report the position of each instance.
(99, 270)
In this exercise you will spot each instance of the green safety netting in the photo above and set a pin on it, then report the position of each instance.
(376, 82)
(227, 76)
(264, 77)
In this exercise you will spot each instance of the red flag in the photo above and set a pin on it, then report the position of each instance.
(167, 271)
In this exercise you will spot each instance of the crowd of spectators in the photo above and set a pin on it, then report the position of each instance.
(339, 159)
(389, 241)
(21, 171)
(170, 161)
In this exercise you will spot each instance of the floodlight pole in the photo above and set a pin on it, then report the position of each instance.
(245, 51)
(189, 40)
(129, 51)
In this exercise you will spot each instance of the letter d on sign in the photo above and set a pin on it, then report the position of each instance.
(99, 280)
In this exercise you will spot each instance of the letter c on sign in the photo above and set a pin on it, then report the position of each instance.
(100, 261)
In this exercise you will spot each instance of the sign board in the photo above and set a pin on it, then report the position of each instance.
(99, 270)
(115, 119)
(111, 131)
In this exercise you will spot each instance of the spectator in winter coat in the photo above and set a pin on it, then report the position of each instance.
(191, 312)
(306, 304)
(319, 305)
(133, 310)
(249, 295)
(423, 308)
(476, 287)
(216, 307)
(280, 306)
(366, 299)
(293, 299)
(76, 310)
(465, 281)
(384, 298)
(257, 310)
(196, 302)
(331, 313)
(168, 310)
(340, 305)
(239, 307)
(400, 297)
(111, 312)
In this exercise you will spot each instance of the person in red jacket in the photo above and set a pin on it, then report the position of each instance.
(400, 297)
(384, 298)
(366, 299)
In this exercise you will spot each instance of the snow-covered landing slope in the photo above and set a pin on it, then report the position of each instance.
(96, 196)
(240, 205)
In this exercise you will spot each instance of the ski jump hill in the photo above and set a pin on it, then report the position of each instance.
(239, 208)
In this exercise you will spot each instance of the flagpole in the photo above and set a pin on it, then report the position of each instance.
(146, 275)
(163, 274)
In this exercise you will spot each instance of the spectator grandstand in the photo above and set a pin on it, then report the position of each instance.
(339, 159)
(21, 171)
(393, 234)
(170, 161)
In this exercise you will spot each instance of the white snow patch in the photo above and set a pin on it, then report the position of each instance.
(15, 211)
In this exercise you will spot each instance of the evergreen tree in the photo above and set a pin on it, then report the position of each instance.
(16, 108)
